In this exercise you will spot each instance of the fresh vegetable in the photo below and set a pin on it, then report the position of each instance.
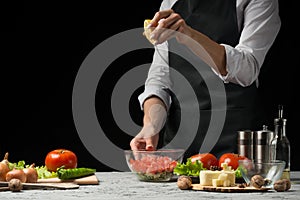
(238, 173)
(44, 173)
(41, 170)
(60, 157)
(18, 165)
(4, 167)
(31, 174)
(231, 159)
(189, 168)
(207, 159)
(16, 173)
(65, 174)
(193, 167)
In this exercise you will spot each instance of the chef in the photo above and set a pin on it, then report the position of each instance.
(215, 49)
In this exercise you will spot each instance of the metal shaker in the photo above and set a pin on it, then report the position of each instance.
(245, 143)
(262, 145)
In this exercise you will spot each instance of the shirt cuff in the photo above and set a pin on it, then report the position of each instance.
(229, 62)
(161, 93)
(223, 78)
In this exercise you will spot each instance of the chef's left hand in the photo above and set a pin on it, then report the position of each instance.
(168, 24)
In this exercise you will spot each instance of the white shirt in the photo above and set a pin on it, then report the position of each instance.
(259, 24)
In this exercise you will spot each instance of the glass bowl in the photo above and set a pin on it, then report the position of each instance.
(270, 171)
(155, 166)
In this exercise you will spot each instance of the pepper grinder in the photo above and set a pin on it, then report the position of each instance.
(262, 142)
(245, 143)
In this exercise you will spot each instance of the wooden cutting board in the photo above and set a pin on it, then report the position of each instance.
(88, 180)
(228, 189)
(44, 186)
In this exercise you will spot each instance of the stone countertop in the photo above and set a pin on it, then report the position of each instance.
(124, 185)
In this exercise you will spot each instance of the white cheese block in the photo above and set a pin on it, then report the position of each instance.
(227, 178)
(206, 177)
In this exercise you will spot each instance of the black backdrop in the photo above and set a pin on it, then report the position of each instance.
(43, 45)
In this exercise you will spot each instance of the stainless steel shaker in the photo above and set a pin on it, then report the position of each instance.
(262, 145)
(245, 143)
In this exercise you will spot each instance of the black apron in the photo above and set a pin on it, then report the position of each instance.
(216, 19)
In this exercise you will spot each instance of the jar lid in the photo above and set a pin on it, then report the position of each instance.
(265, 129)
(264, 134)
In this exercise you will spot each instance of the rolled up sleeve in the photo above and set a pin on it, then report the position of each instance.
(158, 80)
(260, 28)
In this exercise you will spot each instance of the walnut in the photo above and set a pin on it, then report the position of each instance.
(288, 184)
(257, 181)
(15, 185)
(282, 185)
(184, 182)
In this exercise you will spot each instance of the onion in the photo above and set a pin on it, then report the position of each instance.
(4, 168)
(16, 173)
(31, 174)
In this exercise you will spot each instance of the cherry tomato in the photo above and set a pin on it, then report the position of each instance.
(207, 159)
(60, 157)
(231, 159)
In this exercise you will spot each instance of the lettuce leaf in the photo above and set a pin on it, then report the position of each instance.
(238, 173)
(193, 169)
(189, 168)
(44, 173)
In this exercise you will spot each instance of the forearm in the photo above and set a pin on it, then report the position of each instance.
(211, 52)
(148, 105)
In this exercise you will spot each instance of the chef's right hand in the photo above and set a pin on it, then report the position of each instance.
(154, 120)
(147, 139)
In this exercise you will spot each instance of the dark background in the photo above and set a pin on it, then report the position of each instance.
(43, 45)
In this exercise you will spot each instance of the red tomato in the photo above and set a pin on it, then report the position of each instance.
(231, 159)
(207, 159)
(60, 157)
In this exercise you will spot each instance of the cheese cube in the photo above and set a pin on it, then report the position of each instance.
(226, 183)
(217, 183)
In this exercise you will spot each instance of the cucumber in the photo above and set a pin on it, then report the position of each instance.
(72, 173)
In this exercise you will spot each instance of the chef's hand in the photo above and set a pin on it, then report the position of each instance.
(167, 23)
(147, 139)
(154, 119)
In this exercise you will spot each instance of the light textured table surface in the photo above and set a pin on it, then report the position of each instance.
(124, 185)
